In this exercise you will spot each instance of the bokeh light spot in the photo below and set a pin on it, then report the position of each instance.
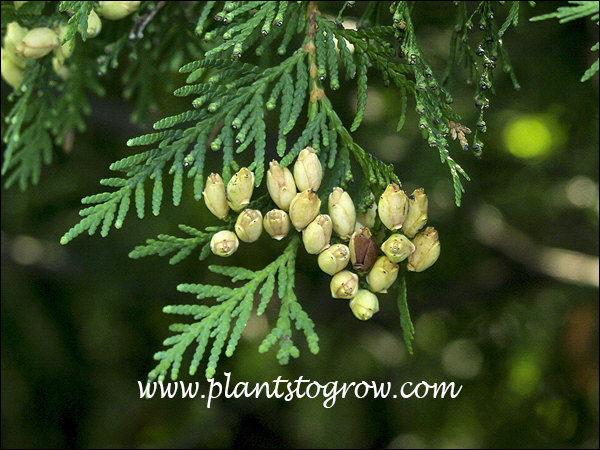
(524, 375)
(531, 136)
(431, 334)
(26, 250)
(582, 192)
(462, 359)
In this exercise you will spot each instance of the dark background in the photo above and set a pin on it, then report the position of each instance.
(510, 310)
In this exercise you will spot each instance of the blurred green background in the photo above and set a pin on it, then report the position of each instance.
(510, 310)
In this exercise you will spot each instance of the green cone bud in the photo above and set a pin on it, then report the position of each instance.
(277, 223)
(224, 243)
(281, 186)
(13, 38)
(397, 247)
(308, 172)
(60, 68)
(19, 4)
(382, 275)
(363, 250)
(214, 196)
(64, 51)
(344, 284)
(416, 218)
(392, 207)
(317, 234)
(249, 225)
(367, 219)
(37, 43)
(334, 259)
(239, 189)
(427, 250)
(342, 212)
(11, 72)
(116, 10)
(364, 304)
(94, 25)
(304, 208)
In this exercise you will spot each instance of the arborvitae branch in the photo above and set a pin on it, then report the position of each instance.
(408, 330)
(182, 247)
(226, 116)
(216, 321)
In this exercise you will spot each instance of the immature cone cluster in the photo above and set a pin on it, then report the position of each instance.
(303, 206)
(295, 195)
(405, 216)
(408, 214)
(219, 199)
(21, 44)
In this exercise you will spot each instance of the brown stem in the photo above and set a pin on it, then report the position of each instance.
(311, 14)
